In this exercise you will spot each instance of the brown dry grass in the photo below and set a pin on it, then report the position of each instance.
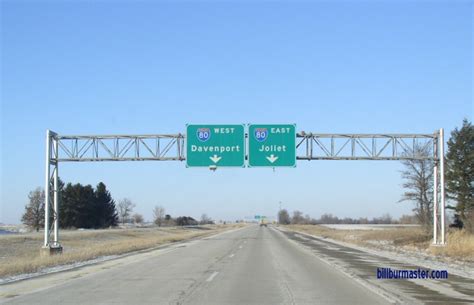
(21, 253)
(460, 244)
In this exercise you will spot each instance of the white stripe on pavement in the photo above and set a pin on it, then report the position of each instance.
(212, 276)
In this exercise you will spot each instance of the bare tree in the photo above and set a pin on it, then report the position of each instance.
(284, 217)
(34, 211)
(206, 220)
(137, 218)
(169, 221)
(159, 215)
(384, 219)
(297, 218)
(125, 208)
(418, 176)
(328, 219)
(408, 219)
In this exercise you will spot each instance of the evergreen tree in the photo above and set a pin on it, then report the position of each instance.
(105, 207)
(460, 173)
(67, 209)
(77, 208)
(87, 217)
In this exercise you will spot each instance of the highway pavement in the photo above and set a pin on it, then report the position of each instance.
(252, 265)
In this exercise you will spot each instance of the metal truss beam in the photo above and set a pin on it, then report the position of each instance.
(317, 146)
(165, 147)
(161, 147)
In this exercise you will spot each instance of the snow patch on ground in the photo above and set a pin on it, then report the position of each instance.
(6, 229)
(366, 226)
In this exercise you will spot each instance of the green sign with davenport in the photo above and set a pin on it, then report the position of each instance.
(215, 145)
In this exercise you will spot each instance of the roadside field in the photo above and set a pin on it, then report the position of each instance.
(20, 253)
(460, 244)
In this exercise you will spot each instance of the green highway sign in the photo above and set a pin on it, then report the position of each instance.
(215, 145)
(272, 145)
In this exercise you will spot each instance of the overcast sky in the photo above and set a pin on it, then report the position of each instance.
(80, 67)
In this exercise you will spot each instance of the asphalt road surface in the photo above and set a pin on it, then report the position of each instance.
(253, 265)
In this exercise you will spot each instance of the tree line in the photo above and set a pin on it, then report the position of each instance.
(162, 219)
(298, 218)
(83, 206)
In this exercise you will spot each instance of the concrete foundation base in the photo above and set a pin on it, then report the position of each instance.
(51, 250)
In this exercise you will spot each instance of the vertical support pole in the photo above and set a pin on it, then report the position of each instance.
(374, 149)
(435, 203)
(178, 146)
(47, 189)
(441, 178)
(307, 139)
(352, 147)
(435, 188)
(55, 195)
(332, 146)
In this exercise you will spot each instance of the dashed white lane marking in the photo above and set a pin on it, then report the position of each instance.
(232, 255)
(212, 276)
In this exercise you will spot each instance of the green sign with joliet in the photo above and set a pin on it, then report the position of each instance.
(272, 145)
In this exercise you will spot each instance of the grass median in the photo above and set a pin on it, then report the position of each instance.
(20, 253)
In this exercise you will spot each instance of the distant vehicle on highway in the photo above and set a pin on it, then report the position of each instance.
(263, 222)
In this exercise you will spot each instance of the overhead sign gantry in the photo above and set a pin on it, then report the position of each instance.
(225, 145)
